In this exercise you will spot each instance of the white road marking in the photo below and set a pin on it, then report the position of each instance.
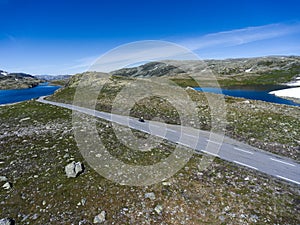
(284, 178)
(242, 150)
(243, 164)
(144, 131)
(213, 142)
(183, 144)
(171, 130)
(189, 135)
(163, 137)
(282, 162)
(210, 153)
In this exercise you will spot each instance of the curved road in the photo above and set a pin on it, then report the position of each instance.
(205, 142)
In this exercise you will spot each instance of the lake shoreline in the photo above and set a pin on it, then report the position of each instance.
(15, 96)
(258, 92)
(292, 92)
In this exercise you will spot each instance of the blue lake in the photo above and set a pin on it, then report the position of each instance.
(18, 95)
(252, 92)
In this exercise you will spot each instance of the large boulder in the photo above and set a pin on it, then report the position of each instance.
(100, 218)
(7, 221)
(7, 186)
(3, 178)
(73, 169)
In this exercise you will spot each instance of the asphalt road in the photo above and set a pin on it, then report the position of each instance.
(205, 142)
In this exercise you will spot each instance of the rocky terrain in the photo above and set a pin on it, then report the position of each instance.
(17, 80)
(45, 180)
(229, 72)
(268, 126)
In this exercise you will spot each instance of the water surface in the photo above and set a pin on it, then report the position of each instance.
(259, 92)
(18, 95)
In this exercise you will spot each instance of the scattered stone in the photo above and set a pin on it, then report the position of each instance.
(222, 218)
(150, 195)
(82, 222)
(35, 216)
(227, 208)
(100, 218)
(158, 209)
(7, 221)
(166, 183)
(73, 169)
(25, 217)
(83, 201)
(24, 119)
(3, 178)
(7, 186)
(243, 216)
(254, 218)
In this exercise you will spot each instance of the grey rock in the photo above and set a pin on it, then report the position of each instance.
(222, 218)
(7, 186)
(83, 201)
(3, 178)
(158, 209)
(150, 195)
(73, 169)
(254, 218)
(82, 222)
(35, 216)
(100, 218)
(7, 221)
(166, 183)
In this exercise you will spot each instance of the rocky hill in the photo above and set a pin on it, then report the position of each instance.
(260, 70)
(17, 80)
(228, 72)
(237, 66)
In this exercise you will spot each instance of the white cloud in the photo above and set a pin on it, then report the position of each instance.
(240, 36)
(136, 52)
(140, 51)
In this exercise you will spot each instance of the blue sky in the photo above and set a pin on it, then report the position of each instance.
(61, 37)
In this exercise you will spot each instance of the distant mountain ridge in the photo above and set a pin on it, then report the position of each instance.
(271, 70)
(226, 67)
(268, 70)
(17, 80)
(53, 77)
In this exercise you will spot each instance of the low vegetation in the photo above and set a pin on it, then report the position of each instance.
(268, 126)
(37, 142)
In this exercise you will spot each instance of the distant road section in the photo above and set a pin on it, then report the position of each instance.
(230, 150)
